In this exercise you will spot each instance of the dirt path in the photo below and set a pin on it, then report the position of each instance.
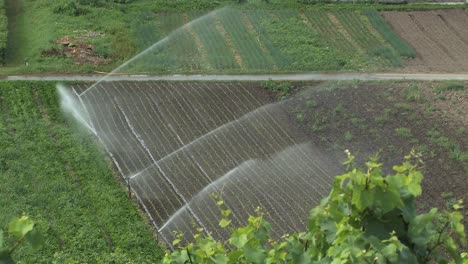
(245, 77)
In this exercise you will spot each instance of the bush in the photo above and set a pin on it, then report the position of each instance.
(70, 8)
(367, 218)
(281, 88)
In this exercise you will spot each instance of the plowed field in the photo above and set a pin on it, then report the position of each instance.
(439, 37)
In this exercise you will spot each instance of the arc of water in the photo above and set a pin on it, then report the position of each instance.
(120, 169)
(85, 109)
(142, 142)
(214, 131)
(213, 184)
(153, 47)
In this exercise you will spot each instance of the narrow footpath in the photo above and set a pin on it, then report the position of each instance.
(245, 77)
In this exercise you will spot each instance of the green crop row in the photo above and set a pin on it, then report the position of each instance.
(62, 181)
(256, 40)
(403, 48)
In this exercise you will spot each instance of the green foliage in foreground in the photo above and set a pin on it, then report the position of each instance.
(20, 230)
(367, 218)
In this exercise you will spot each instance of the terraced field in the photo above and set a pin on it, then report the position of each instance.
(233, 40)
(177, 143)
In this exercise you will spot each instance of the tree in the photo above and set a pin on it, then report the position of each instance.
(367, 218)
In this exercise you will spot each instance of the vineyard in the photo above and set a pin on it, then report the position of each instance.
(233, 40)
(177, 143)
(63, 181)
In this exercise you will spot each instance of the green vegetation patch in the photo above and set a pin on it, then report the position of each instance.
(301, 47)
(3, 31)
(403, 48)
(62, 181)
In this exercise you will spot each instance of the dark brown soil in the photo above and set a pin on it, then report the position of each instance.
(78, 50)
(439, 38)
(390, 119)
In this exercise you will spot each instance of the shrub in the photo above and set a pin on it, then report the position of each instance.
(281, 88)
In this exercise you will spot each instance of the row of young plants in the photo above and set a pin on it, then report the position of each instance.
(284, 40)
(232, 145)
(63, 182)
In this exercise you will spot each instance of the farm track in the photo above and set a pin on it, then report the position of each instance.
(241, 77)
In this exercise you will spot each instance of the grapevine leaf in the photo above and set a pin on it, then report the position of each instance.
(224, 222)
(414, 183)
(19, 227)
(254, 254)
(5, 257)
(175, 242)
(390, 252)
(220, 259)
(238, 241)
(35, 239)
(180, 256)
(234, 256)
(406, 256)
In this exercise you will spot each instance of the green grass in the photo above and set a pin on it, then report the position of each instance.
(413, 93)
(451, 86)
(63, 182)
(404, 133)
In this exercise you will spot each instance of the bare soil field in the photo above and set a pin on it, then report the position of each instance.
(391, 119)
(440, 38)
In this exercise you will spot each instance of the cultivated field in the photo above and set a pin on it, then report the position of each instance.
(256, 40)
(390, 119)
(177, 143)
(439, 37)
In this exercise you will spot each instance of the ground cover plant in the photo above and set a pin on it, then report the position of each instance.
(63, 181)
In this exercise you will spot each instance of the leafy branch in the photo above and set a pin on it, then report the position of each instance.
(368, 217)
